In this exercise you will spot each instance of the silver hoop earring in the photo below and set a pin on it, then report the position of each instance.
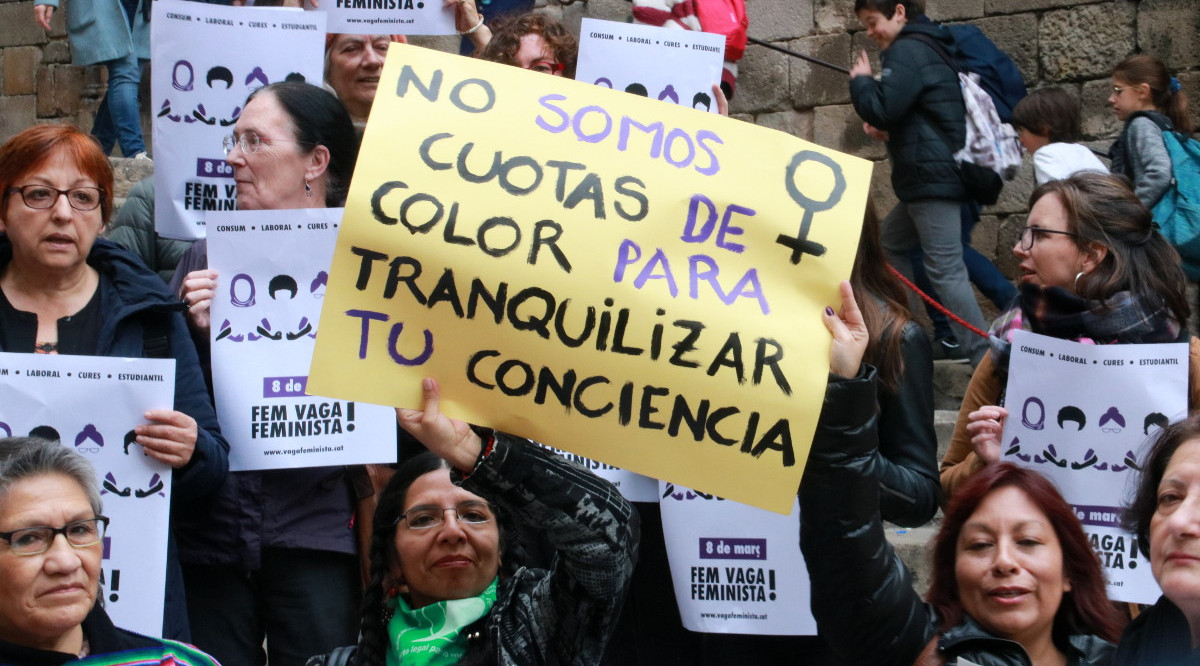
(308, 193)
(1077, 276)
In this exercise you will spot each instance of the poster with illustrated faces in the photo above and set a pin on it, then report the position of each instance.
(1084, 415)
(207, 60)
(91, 404)
(677, 66)
(273, 266)
(387, 17)
(736, 569)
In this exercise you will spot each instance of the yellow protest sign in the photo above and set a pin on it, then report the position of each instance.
(626, 279)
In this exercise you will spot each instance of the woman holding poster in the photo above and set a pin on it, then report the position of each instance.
(1094, 269)
(275, 546)
(1165, 516)
(1014, 579)
(448, 585)
(65, 291)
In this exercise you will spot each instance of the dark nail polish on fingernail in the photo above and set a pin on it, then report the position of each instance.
(828, 310)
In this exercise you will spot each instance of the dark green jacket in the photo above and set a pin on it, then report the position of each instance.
(133, 229)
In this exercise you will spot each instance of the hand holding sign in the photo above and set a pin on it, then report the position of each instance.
(198, 289)
(984, 425)
(450, 439)
(850, 336)
(170, 437)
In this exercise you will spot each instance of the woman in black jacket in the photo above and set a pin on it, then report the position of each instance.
(1014, 579)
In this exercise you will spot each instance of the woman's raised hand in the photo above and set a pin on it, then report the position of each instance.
(450, 439)
(985, 425)
(849, 333)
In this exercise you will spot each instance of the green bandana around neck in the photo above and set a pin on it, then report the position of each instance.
(433, 635)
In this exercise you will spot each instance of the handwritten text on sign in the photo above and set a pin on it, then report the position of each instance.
(628, 280)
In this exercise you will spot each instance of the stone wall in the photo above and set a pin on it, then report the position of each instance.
(1071, 44)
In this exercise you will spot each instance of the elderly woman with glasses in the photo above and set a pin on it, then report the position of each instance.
(449, 585)
(49, 608)
(65, 291)
(1093, 269)
(275, 546)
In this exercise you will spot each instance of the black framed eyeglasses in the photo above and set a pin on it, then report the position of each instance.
(37, 540)
(473, 513)
(250, 141)
(1029, 235)
(41, 197)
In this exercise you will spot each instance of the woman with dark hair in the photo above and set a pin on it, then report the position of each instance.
(449, 588)
(63, 290)
(533, 41)
(1093, 269)
(275, 545)
(1165, 515)
(1014, 578)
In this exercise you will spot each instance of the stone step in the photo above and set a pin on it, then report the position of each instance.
(914, 546)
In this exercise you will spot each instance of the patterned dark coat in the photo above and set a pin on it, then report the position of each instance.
(564, 614)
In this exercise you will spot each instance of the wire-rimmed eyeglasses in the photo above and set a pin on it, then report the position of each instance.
(1029, 235)
(41, 197)
(472, 513)
(250, 141)
(37, 540)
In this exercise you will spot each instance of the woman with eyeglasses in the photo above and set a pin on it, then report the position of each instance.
(449, 584)
(1094, 269)
(50, 610)
(63, 290)
(274, 556)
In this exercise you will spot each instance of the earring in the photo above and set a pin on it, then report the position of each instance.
(307, 189)
(1077, 276)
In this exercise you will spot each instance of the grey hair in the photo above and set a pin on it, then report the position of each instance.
(25, 457)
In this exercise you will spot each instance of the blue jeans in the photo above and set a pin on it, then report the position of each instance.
(981, 271)
(118, 118)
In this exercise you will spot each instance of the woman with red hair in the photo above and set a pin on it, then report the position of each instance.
(63, 290)
(1014, 579)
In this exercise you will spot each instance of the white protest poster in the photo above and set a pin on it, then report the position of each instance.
(736, 569)
(207, 60)
(1081, 414)
(387, 17)
(633, 486)
(91, 404)
(678, 66)
(273, 266)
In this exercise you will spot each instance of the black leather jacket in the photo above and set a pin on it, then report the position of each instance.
(907, 457)
(862, 594)
(918, 101)
(1160, 636)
